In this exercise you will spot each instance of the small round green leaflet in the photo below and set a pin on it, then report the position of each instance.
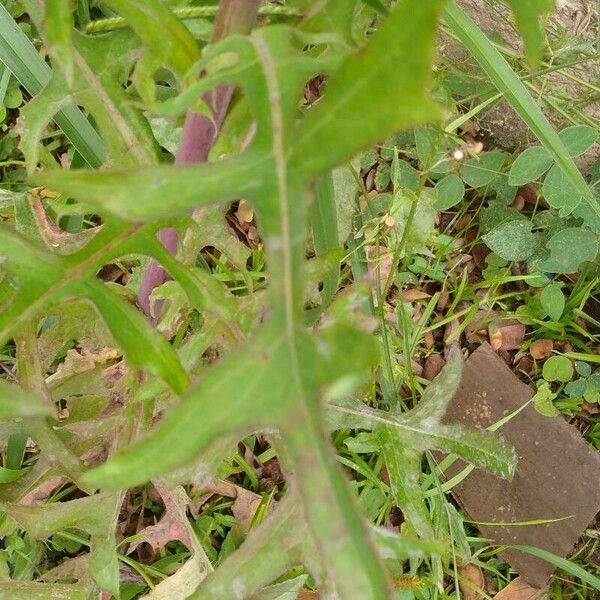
(583, 368)
(483, 169)
(553, 301)
(568, 249)
(558, 368)
(560, 192)
(530, 165)
(543, 400)
(576, 389)
(578, 138)
(512, 241)
(450, 191)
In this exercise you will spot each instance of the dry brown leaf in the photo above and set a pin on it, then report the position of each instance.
(471, 581)
(245, 212)
(80, 361)
(245, 504)
(506, 335)
(541, 349)
(517, 589)
(308, 595)
(173, 524)
(413, 294)
(382, 262)
(41, 493)
(444, 299)
(433, 366)
(428, 340)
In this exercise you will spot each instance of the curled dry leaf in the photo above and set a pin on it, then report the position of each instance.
(245, 502)
(433, 366)
(41, 493)
(506, 335)
(541, 349)
(172, 526)
(471, 581)
(517, 589)
(413, 294)
(245, 212)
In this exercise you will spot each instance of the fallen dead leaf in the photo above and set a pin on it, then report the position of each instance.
(471, 581)
(433, 366)
(172, 525)
(444, 299)
(413, 294)
(245, 212)
(41, 493)
(517, 589)
(428, 340)
(389, 221)
(245, 502)
(541, 349)
(518, 203)
(506, 335)
(308, 595)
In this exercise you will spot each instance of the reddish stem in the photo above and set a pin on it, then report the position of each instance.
(200, 132)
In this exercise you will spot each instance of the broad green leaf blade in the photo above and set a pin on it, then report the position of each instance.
(568, 249)
(421, 429)
(166, 37)
(330, 509)
(400, 546)
(527, 15)
(512, 241)
(99, 86)
(481, 170)
(286, 590)
(529, 166)
(325, 232)
(347, 119)
(27, 590)
(440, 391)
(449, 191)
(560, 192)
(332, 17)
(144, 347)
(553, 301)
(404, 467)
(508, 83)
(58, 28)
(18, 256)
(162, 190)
(16, 402)
(23, 60)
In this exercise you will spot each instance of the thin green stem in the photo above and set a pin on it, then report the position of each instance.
(189, 12)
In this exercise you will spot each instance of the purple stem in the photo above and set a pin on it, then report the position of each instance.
(200, 132)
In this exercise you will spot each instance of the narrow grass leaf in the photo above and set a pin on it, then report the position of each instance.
(20, 56)
(509, 84)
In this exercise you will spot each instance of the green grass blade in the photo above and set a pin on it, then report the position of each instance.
(22, 59)
(564, 564)
(511, 87)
